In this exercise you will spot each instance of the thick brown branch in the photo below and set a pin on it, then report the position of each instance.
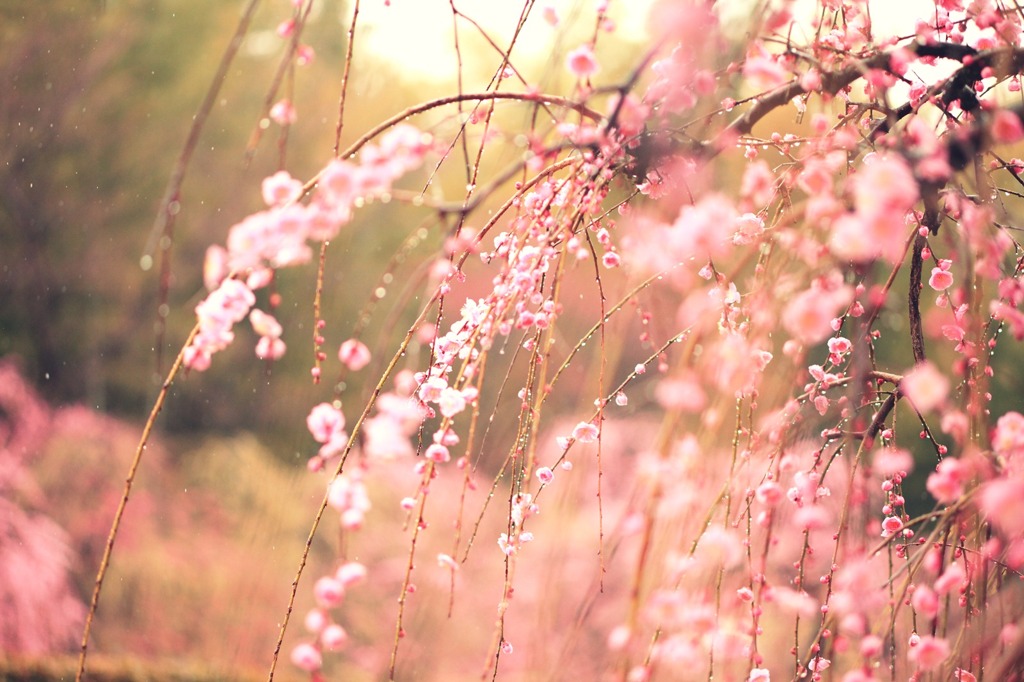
(914, 300)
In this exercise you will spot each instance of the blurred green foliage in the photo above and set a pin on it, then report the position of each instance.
(99, 97)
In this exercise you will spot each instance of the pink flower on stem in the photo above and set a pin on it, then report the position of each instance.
(946, 483)
(334, 637)
(304, 55)
(808, 317)
(1006, 127)
(329, 592)
(306, 657)
(438, 453)
(585, 432)
(581, 62)
(316, 620)
(264, 324)
(451, 402)
(941, 278)
(929, 652)
(890, 526)
(925, 601)
(270, 348)
(354, 354)
(351, 573)
(215, 266)
(325, 422)
(283, 113)
(281, 188)
(764, 73)
(888, 462)
(925, 386)
(1008, 437)
(545, 475)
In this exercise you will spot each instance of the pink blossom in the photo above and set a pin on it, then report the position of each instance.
(304, 55)
(839, 346)
(1008, 436)
(339, 183)
(929, 652)
(808, 317)
(764, 73)
(351, 573)
(354, 354)
(952, 578)
(940, 279)
(890, 461)
(328, 592)
(283, 113)
(1002, 502)
(810, 80)
(334, 637)
(281, 188)
(545, 475)
(871, 646)
(270, 348)
(884, 190)
(759, 675)
(769, 493)
(264, 324)
(890, 526)
(325, 421)
(581, 62)
(585, 432)
(811, 517)
(316, 620)
(431, 389)
(451, 402)
(215, 266)
(946, 483)
(306, 657)
(438, 453)
(925, 386)
(1006, 127)
(925, 601)
(286, 28)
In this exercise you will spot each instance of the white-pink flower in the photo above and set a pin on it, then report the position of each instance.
(306, 657)
(281, 188)
(941, 278)
(929, 652)
(581, 62)
(585, 432)
(324, 422)
(354, 354)
(925, 386)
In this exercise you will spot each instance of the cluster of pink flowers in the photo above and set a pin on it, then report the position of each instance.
(800, 516)
(279, 237)
(328, 635)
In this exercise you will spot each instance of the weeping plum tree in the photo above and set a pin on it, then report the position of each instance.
(674, 395)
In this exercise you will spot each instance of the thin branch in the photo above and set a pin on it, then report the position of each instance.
(116, 525)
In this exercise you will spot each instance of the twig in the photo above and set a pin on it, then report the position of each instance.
(115, 526)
